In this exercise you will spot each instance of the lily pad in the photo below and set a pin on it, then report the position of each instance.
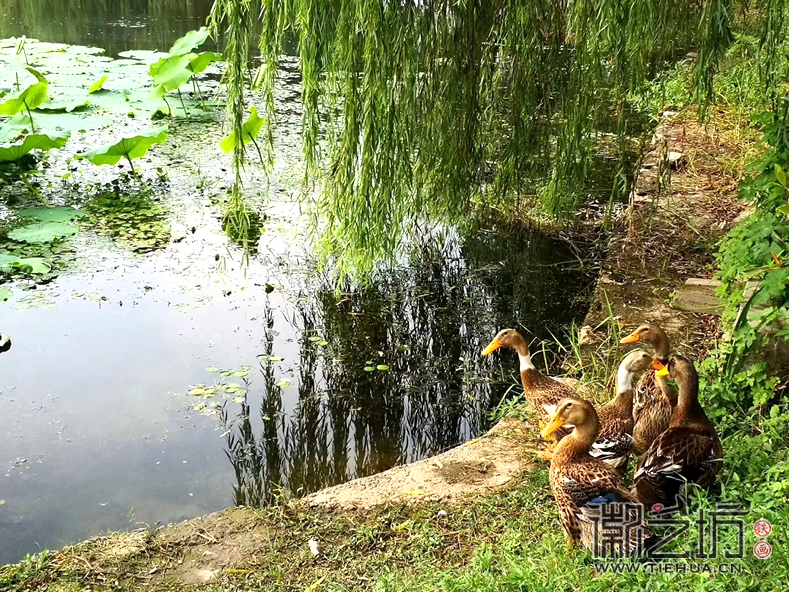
(130, 148)
(43, 142)
(96, 86)
(190, 41)
(170, 74)
(57, 214)
(10, 263)
(45, 232)
(71, 122)
(62, 105)
(143, 55)
(250, 131)
(5, 294)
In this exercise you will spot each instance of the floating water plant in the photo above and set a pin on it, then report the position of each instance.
(12, 152)
(56, 214)
(249, 132)
(50, 225)
(12, 263)
(30, 98)
(43, 232)
(181, 65)
(128, 148)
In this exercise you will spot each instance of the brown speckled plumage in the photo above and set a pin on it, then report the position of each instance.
(653, 403)
(654, 399)
(579, 482)
(615, 440)
(542, 392)
(688, 451)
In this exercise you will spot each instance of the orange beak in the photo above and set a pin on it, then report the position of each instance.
(493, 346)
(656, 365)
(632, 338)
(553, 425)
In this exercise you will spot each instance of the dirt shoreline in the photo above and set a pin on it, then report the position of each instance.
(637, 280)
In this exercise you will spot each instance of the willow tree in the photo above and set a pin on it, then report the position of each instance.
(414, 110)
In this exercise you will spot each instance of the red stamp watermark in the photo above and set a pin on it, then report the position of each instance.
(762, 549)
(762, 528)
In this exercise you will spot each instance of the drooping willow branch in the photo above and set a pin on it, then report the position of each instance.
(232, 20)
(415, 110)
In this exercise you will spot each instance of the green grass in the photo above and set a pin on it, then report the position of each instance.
(510, 541)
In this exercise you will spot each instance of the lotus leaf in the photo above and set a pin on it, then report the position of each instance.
(57, 214)
(44, 232)
(30, 98)
(129, 148)
(169, 74)
(203, 60)
(251, 130)
(96, 86)
(43, 142)
(9, 263)
(190, 41)
(62, 106)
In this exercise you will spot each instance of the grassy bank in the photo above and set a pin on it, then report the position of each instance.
(503, 542)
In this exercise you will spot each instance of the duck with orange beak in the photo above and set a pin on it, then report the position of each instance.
(582, 484)
(653, 398)
(689, 451)
(542, 392)
(615, 441)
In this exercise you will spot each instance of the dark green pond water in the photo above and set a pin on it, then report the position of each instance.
(98, 430)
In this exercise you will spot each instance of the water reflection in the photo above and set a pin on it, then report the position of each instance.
(115, 25)
(427, 322)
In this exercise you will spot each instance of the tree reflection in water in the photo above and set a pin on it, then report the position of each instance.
(428, 322)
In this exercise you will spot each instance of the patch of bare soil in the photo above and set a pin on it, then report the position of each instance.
(684, 202)
(477, 467)
(238, 543)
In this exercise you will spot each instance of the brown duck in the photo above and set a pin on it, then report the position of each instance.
(654, 399)
(615, 440)
(688, 451)
(581, 484)
(542, 392)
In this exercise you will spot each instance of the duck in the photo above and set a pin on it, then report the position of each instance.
(689, 451)
(615, 441)
(542, 392)
(654, 398)
(581, 484)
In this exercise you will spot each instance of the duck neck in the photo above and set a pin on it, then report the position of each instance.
(579, 441)
(624, 390)
(688, 410)
(662, 349)
(524, 355)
